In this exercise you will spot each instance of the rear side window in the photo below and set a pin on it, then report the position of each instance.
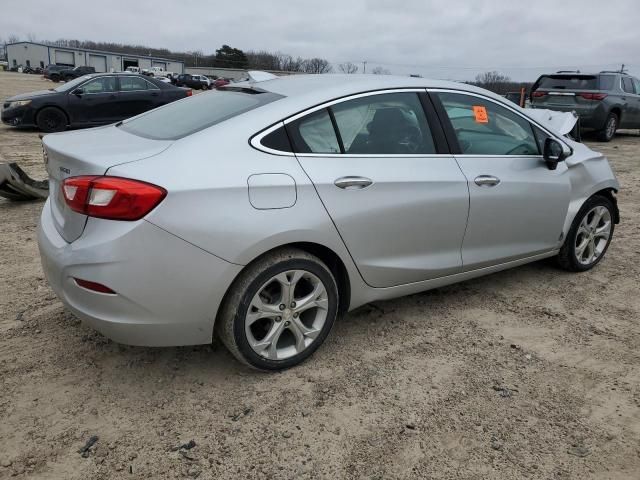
(179, 119)
(386, 124)
(627, 85)
(277, 140)
(315, 134)
(483, 127)
(569, 82)
(128, 84)
(606, 82)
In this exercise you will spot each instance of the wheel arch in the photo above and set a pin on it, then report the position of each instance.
(609, 193)
(618, 111)
(58, 107)
(329, 257)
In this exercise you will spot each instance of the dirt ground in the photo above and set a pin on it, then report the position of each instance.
(532, 373)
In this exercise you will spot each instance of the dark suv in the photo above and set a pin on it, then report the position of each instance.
(70, 73)
(604, 101)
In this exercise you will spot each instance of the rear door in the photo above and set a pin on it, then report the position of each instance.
(517, 205)
(136, 95)
(98, 102)
(398, 201)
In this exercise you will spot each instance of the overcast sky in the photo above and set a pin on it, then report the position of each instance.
(455, 39)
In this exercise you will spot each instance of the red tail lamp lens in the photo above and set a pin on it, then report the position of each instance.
(112, 198)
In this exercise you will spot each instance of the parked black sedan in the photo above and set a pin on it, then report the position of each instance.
(89, 101)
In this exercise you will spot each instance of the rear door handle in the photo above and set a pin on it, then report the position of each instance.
(487, 181)
(353, 183)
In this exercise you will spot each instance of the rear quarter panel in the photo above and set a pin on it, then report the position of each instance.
(206, 176)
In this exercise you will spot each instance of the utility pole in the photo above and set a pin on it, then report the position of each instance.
(364, 66)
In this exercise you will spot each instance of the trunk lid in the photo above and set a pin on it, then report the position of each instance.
(88, 152)
(564, 91)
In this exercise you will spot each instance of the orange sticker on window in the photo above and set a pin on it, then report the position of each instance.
(480, 113)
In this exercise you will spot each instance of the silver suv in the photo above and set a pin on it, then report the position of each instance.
(605, 101)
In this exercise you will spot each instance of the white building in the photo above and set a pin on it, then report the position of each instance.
(40, 55)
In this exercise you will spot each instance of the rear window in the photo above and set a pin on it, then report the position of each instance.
(183, 118)
(569, 82)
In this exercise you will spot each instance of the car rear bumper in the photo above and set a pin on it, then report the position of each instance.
(167, 290)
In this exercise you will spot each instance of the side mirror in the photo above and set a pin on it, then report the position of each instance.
(555, 152)
(78, 91)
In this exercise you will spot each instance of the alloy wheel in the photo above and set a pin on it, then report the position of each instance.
(593, 235)
(287, 314)
(611, 127)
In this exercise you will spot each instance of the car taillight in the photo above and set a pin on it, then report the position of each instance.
(189, 93)
(539, 94)
(593, 96)
(112, 198)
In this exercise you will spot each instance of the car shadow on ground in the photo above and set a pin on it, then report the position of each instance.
(210, 362)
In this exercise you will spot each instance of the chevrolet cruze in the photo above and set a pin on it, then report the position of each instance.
(260, 212)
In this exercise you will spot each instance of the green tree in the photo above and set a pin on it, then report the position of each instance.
(228, 57)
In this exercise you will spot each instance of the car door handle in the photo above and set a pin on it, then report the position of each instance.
(353, 183)
(487, 181)
(154, 94)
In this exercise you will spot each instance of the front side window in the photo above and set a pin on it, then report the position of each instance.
(386, 124)
(483, 127)
(100, 85)
(128, 84)
(636, 83)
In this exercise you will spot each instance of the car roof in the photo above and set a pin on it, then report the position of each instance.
(316, 89)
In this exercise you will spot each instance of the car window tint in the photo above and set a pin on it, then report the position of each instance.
(100, 85)
(277, 140)
(486, 128)
(315, 134)
(179, 119)
(128, 84)
(627, 85)
(387, 124)
(606, 82)
(571, 82)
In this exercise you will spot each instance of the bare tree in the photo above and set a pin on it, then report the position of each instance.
(348, 68)
(381, 71)
(494, 81)
(31, 37)
(316, 65)
(13, 38)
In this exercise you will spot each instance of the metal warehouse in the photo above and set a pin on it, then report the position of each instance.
(40, 55)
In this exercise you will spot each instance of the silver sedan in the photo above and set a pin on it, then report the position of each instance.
(260, 212)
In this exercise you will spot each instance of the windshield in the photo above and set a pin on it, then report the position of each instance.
(65, 87)
(179, 119)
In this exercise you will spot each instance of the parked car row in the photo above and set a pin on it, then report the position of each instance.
(90, 100)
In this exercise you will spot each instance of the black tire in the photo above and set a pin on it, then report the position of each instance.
(230, 325)
(54, 78)
(610, 128)
(51, 119)
(567, 258)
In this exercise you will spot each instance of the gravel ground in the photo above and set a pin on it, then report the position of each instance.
(531, 373)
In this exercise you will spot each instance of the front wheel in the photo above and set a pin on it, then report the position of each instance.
(589, 236)
(51, 119)
(279, 310)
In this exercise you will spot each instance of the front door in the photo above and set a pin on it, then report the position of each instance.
(517, 205)
(400, 207)
(97, 102)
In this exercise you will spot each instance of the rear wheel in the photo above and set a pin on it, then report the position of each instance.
(279, 310)
(610, 127)
(51, 119)
(589, 236)
(54, 78)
